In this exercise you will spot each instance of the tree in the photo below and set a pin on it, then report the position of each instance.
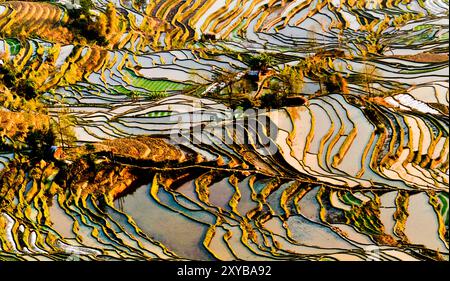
(86, 5)
(63, 129)
(82, 25)
(291, 78)
(260, 62)
(336, 84)
(40, 142)
(19, 80)
(271, 100)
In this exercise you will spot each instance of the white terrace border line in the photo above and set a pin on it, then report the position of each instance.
(436, 6)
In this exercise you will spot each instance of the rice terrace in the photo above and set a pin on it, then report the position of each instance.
(251, 130)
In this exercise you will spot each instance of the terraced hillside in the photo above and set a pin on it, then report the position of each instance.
(224, 130)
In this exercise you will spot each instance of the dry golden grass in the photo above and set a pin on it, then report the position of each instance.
(425, 57)
(142, 148)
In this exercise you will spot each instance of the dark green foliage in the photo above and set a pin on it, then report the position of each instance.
(81, 24)
(334, 84)
(140, 3)
(271, 101)
(86, 5)
(84, 27)
(244, 104)
(12, 79)
(259, 62)
(90, 147)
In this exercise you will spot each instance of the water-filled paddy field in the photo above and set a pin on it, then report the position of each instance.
(224, 130)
